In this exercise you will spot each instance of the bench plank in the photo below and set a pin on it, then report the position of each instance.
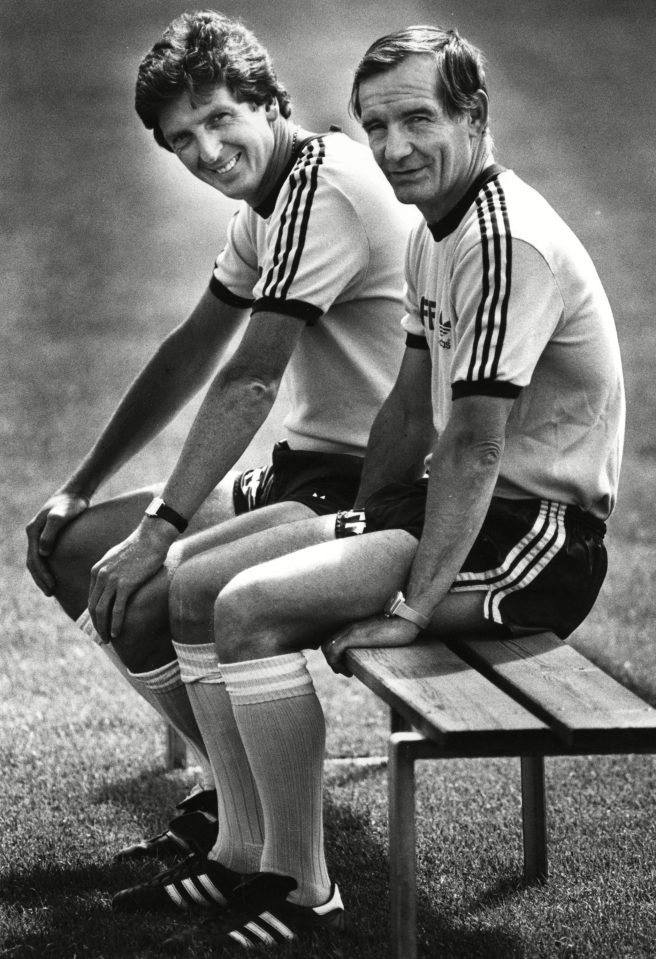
(449, 701)
(587, 708)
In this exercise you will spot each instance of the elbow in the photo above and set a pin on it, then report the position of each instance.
(483, 452)
(250, 389)
(488, 454)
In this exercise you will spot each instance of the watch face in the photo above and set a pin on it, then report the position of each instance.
(153, 507)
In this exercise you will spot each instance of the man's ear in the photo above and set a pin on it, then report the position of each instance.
(478, 113)
(272, 110)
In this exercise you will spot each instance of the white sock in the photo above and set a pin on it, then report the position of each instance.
(283, 731)
(188, 730)
(239, 843)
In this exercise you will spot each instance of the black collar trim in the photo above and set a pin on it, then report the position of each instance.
(454, 217)
(267, 206)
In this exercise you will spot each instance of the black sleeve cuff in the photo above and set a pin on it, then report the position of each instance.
(416, 342)
(484, 388)
(222, 293)
(297, 308)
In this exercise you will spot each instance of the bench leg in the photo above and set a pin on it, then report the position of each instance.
(403, 895)
(534, 818)
(397, 723)
(176, 749)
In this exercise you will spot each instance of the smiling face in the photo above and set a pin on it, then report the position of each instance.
(429, 157)
(226, 143)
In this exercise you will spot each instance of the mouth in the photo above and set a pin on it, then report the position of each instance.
(226, 167)
(402, 174)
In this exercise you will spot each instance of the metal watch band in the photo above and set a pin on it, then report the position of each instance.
(397, 606)
(160, 510)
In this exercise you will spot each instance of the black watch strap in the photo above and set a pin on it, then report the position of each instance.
(158, 508)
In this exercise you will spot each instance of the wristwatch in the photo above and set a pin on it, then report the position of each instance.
(160, 510)
(397, 606)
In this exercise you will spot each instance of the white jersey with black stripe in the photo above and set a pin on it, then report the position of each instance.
(511, 305)
(326, 248)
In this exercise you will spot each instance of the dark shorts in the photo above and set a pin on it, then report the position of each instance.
(540, 563)
(326, 482)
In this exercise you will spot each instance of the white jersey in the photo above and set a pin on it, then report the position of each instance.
(326, 247)
(510, 304)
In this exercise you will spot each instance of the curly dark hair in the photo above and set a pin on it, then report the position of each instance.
(199, 50)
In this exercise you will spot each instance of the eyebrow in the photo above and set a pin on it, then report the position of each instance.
(418, 107)
(183, 130)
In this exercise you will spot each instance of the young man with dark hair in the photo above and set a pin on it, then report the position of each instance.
(511, 380)
(310, 283)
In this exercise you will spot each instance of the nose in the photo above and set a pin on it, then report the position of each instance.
(209, 146)
(397, 146)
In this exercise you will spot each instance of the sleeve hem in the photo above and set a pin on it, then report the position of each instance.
(296, 308)
(222, 293)
(416, 341)
(484, 388)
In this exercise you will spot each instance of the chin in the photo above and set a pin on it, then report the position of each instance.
(405, 195)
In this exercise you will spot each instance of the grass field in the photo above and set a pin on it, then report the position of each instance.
(107, 247)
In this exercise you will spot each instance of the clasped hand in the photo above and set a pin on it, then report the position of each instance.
(122, 570)
(375, 632)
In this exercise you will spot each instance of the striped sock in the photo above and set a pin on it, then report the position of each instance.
(165, 685)
(283, 731)
(239, 843)
(185, 723)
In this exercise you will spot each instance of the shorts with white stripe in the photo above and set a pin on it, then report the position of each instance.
(540, 563)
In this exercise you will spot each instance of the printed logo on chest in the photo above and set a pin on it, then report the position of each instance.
(428, 314)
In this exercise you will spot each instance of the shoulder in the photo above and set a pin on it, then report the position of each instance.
(507, 214)
(527, 216)
(344, 166)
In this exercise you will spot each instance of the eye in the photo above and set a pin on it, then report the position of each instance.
(180, 141)
(217, 119)
(374, 128)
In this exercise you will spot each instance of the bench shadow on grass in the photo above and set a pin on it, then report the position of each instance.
(70, 902)
(357, 845)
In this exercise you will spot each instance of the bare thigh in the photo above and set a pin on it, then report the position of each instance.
(200, 577)
(87, 539)
(295, 601)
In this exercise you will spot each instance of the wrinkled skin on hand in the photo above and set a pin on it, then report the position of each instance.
(375, 632)
(122, 570)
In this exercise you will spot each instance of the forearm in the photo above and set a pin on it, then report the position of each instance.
(460, 488)
(179, 368)
(151, 402)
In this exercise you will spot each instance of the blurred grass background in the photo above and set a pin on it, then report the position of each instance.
(107, 245)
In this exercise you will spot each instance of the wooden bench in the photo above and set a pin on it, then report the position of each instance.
(529, 698)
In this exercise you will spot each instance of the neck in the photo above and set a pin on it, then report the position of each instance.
(437, 209)
(285, 136)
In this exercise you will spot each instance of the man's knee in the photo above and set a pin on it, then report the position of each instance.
(245, 621)
(86, 540)
(144, 642)
(191, 601)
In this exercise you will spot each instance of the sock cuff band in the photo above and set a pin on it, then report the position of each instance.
(198, 662)
(160, 680)
(85, 623)
(263, 680)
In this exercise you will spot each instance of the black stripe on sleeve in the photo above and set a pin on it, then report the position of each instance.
(296, 308)
(484, 388)
(314, 181)
(222, 293)
(416, 342)
(297, 184)
(492, 313)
